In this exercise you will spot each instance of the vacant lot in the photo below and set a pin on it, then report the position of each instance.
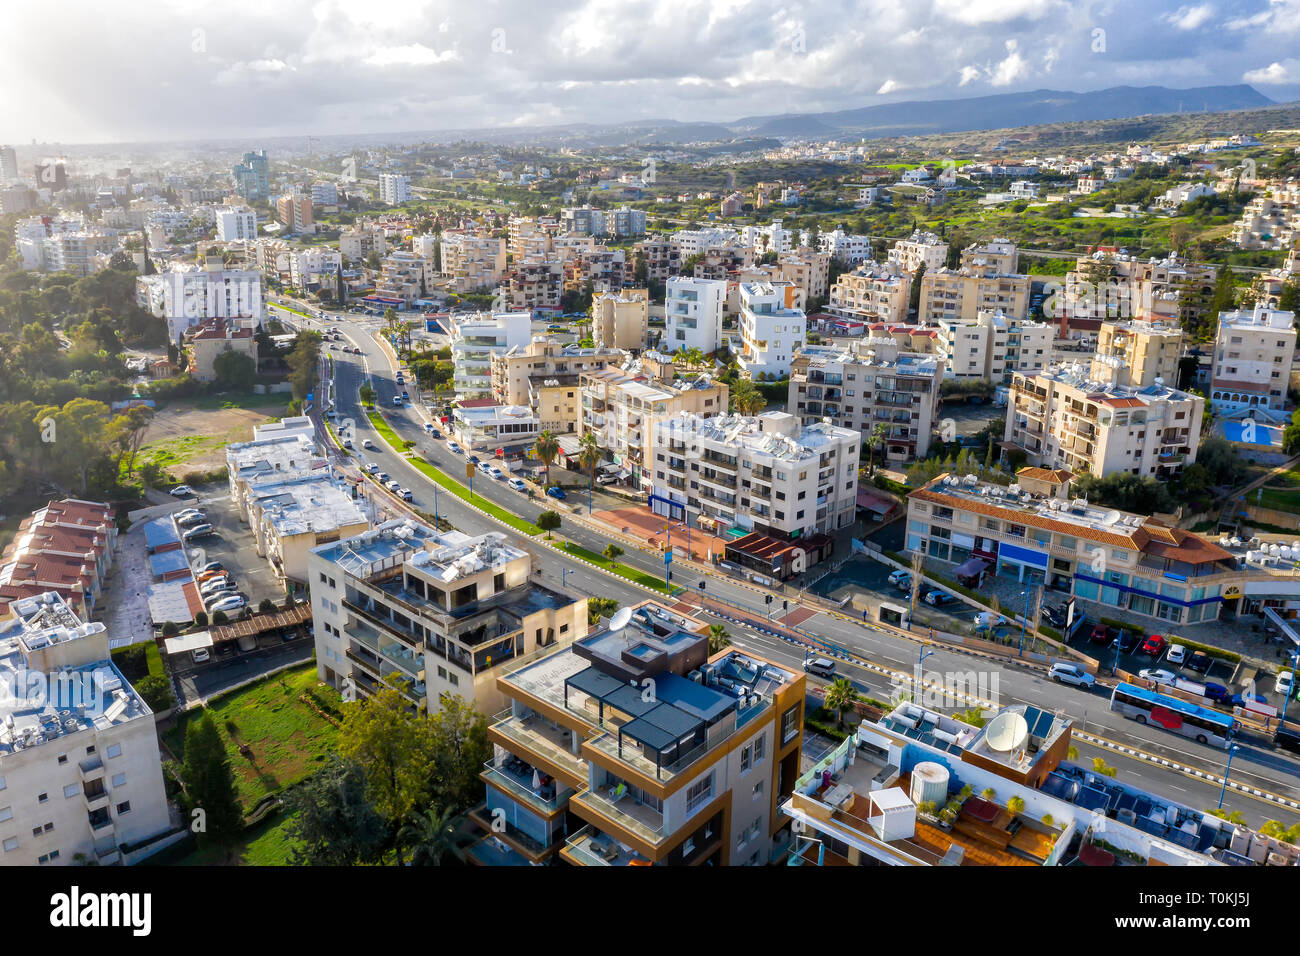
(183, 437)
(285, 740)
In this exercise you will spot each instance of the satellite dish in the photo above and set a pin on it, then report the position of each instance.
(620, 619)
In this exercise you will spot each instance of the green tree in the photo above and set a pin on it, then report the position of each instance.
(548, 521)
(914, 295)
(460, 747)
(598, 608)
(589, 455)
(334, 823)
(873, 441)
(430, 835)
(547, 448)
(719, 638)
(210, 783)
(613, 552)
(840, 697)
(394, 747)
(304, 359)
(366, 393)
(235, 370)
(156, 691)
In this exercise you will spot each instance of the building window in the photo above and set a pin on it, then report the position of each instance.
(790, 724)
(759, 746)
(699, 792)
(11, 844)
(758, 789)
(70, 791)
(124, 807)
(63, 758)
(114, 751)
(44, 797)
(119, 779)
(746, 758)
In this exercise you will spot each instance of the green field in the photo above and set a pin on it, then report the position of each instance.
(287, 741)
(1282, 493)
(266, 844)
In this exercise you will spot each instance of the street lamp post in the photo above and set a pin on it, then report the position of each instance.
(1290, 691)
(1224, 789)
(1024, 620)
(921, 655)
(564, 576)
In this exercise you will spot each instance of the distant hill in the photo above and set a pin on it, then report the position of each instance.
(1003, 110)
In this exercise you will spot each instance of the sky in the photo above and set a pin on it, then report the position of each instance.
(77, 71)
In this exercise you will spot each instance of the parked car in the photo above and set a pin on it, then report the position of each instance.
(205, 576)
(485, 467)
(182, 491)
(192, 521)
(987, 620)
(397, 401)
(1241, 700)
(474, 459)
(211, 601)
(1177, 654)
(186, 513)
(517, 484)
(199, 531)
(1216, 692)
(821, 667)
(434, 432)
(233, 603)
(1101, 634)
(938, 598)
(497, 473)
(1158, 675)
(453, 448)
(606, 479)
(556, 492)
(212, 566)
(384, 477)
(900, 578)
(1282, 685)
(200, 655)
(392, 486)
(213, 585)
(406, 494)
(1200, 662)
(1070, 674)
(372, 468)
(1287, 739)
(1053, 615)
(1153, 645)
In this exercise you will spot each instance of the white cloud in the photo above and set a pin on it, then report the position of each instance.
(889, 86)
(978, 12)
(1011, 69)
(413, 54)
(1274, 73)
(969, 74)
(1189, 18)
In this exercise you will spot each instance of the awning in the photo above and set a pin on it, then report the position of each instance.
(624, 473)
(188, 642)
(874, 503)
(972, 567)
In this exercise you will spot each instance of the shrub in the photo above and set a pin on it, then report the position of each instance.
(219, 617)
(1016, 805)
(201, 619)
(170, 629)
(266, 606)
(156, 691)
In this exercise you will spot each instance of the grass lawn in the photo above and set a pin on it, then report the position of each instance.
(386, 432)
(478, 501)
(288, 741)
(174, 452)
(267, 844)
(290, 308)
(614, 567)
(1282, 493)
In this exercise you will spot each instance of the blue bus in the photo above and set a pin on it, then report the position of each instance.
(1178, 716)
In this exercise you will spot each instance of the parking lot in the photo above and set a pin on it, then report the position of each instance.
(868, 580)
(233, 546)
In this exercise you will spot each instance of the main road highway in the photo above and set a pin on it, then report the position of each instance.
(881, 661)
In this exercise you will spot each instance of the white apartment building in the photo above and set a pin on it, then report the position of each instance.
(1253, 352)
(472, 262)
(425, 246)
(995, 257)
(475, 338)
(235, 222)
(80, 771)
(921, 248)
(771, 330)
(693, 311)
(765, 474)
(441, 611)
(311, 267)
(1062, 419)
(770, 238)
(487, 428)
(872, 382)
(324, 193)
(693, 242)
(267, 458)
(406, 276)
(844, 247)
(873, 291)
(993, 346)
(194, 294)
(394, 188)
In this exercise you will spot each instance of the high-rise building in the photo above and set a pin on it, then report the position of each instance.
(253, 176)
(1253, 352)
(8, 164)
(235, 222)
(294, 212)
(394, 188)
(475, 339)
(693, 314)
(771, 330)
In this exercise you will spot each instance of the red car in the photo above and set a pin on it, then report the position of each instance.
(1154, 645)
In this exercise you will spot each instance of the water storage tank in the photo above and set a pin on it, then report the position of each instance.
(929, 783)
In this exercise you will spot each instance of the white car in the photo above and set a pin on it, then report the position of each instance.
(187, 513)
(372, 468)
(200, 655)
(1177, 654)
(367, 443)
(900, 577)
(1282, 685)
(497, 473)
(517, 484)
(1070, 674)
(1158, 675)
(181, 491)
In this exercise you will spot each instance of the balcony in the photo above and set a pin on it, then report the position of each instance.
(637, 819)
(96, 799)
(520, 788)
(540, 743)
(91, 769)
(525, 843)
(718, 461)
(588, 847)
(366, 660)
(101, 824)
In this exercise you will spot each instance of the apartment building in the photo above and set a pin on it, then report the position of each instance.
(693, 242)
(589, 221)
(1137, 353)
(235, 223)
(545, 376)
(472, 262)
(693, 310)
(530, 236)
(291, 514)
(961, 294)
(394, 188)
(79, 760)
(405, 276)
(360, 241)
(624, 406)
(535, 286)
(662, 257)
(1107, 284)
(767, 476)
(873, 291)
(845, 248)
(620, 320)
(66, 547)
(995, 257)
(724, 261)
(253, 176)
(868, 383)
(1253, 353)
(312, 268)
(1270, 220)
(634, 747)
(475, 338)
(438, 612)
(1063, 419)
(993, 346)
(274, 457)
(920, 249)
(486, 426)
(324, 193)
(295, 212)
(771, 330)
(601, 269)
(808, 270)
(921, 788)
(214, 337)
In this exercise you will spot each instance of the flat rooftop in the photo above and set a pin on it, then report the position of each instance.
(312, 504)
(1076, 375)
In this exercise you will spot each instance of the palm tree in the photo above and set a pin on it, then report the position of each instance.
(430, 835)
(718, 638)
(840, 697)
(877, 434)
(547, 448)
(588, 455)
(746, 399)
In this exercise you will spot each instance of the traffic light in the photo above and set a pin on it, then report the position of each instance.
(701, 585)
(785, 605)
(768, 599)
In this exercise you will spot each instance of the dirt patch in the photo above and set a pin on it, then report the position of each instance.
(183, 438)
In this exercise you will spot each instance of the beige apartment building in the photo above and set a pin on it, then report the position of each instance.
(1137, 353)
(358, 242)
(620, 320)
(213, 338)
(544, 376)
(995, 257)
(1253, 353)
(472, 262)
(871, 382)
(1111, 285)
(808, 270)
(534, 284)
(624, 406)
(920, 249)
(963, 293)
(662, 256)
(873, 291)
(1064, 419)
(993, 346)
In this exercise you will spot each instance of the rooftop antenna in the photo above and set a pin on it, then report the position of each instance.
(620, 619)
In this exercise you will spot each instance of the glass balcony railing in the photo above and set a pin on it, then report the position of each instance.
(523, 791)
(636, 818)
